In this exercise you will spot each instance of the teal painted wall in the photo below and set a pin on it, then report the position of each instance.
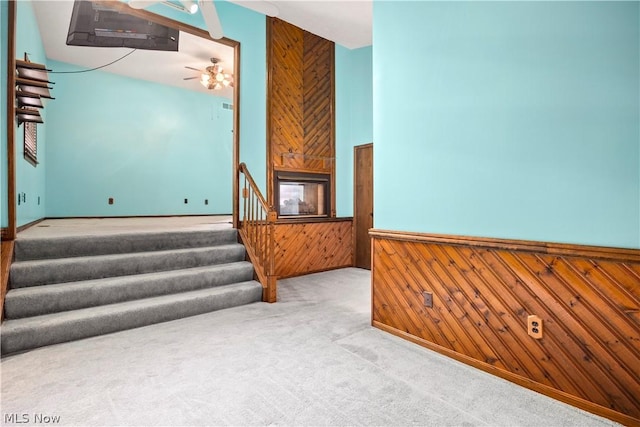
(249, 28)
(4, 23)
(508, 119)
(30, 180)
(148, 146)
(354, 117)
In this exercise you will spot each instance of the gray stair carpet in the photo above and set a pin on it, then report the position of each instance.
(65, 289)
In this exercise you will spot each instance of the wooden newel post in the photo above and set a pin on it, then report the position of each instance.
(272, 280)
(271, 291)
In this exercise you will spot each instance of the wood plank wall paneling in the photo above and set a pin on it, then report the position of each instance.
(286, 96)
(309, 247)
(6, 256)
(318, 63)
(483, 291)
(300, 99)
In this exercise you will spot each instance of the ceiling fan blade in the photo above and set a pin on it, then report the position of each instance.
(194, 69)
(141, 4)
(211, 18)
(264, 7)
(189, 78)
(189, 6)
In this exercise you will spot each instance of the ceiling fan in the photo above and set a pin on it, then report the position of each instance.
(213, 77)
(208, 10)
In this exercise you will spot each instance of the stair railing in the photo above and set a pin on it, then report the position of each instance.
(257, 233)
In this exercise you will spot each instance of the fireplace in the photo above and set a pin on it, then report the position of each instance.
(302, 195)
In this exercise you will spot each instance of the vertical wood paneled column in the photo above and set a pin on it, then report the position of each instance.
(300, 93)
(285, 113)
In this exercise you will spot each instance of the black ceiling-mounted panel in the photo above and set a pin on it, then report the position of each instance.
(96, 25)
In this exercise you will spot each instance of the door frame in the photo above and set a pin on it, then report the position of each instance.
(9, 233)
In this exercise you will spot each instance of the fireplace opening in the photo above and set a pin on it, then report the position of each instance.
(302, 195)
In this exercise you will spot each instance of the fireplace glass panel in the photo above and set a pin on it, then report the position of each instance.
(302, 196)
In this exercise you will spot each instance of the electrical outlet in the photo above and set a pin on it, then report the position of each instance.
(428, 299)
(206, 201)
(534, 326)
(186, 201)
(110, 200)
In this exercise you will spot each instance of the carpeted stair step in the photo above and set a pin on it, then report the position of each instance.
(23, 334)
(73, 246)
(40, 300)
(49, 271)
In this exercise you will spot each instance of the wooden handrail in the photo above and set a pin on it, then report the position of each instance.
(245, 171)
(257, 231)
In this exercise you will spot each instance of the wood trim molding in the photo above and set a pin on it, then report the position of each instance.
(131, 216)
(236, 136)
(313, 220)
(29, 225)
(332, 134)
(522, 381)
(270, 62)
(11, 114)
(563, 249)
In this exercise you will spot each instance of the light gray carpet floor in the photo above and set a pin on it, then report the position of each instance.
(67, 227)
(310, 359)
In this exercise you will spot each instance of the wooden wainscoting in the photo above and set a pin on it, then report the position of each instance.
(309, 247)
(483, 291)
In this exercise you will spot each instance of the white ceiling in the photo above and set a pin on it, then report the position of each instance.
(346, 22)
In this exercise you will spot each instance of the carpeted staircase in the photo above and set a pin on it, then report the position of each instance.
(64, 289)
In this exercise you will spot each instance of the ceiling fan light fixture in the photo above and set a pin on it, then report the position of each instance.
(190, 6)
(213, 77)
